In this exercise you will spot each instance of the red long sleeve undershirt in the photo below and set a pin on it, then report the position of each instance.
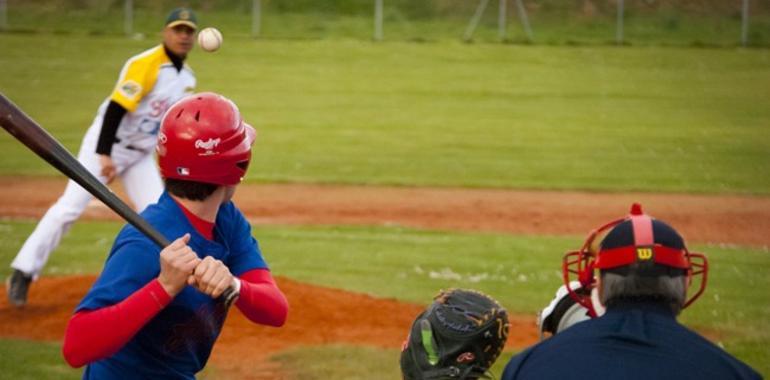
(96, 334)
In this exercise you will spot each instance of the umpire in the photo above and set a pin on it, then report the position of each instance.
(644, 271)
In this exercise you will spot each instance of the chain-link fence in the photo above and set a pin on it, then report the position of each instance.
(635, 22)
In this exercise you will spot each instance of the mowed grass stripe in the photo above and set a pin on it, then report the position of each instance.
(443, 114)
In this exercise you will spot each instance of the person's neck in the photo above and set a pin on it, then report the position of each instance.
(206, 209)
(176, 60)
(650, 304)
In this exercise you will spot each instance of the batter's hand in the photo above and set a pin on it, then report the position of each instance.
(108, 167)
(211, 277)
(177, 262)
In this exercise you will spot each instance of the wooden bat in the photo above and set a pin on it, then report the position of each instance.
(31, 134)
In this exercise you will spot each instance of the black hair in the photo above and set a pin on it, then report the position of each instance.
(194, 191)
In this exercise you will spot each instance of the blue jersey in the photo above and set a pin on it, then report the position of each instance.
(177, 342)
(634, 341)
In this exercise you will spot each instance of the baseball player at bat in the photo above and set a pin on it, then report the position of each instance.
(120, 142)
(152, 313)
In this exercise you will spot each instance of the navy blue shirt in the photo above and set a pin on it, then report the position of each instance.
(631, 341)
(177, 342)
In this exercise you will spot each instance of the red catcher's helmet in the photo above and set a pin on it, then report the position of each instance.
(203, 138)
(642, 247)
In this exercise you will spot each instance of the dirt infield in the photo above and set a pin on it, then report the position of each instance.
(323, 315)
(722, 219)
(319, 315)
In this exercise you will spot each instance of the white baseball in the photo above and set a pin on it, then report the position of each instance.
(209, 39)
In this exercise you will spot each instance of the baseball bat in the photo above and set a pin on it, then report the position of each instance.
(31, 134)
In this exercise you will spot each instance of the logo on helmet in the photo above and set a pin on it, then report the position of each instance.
(644, 253)
(207, 145)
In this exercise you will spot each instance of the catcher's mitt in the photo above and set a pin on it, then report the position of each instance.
(458, 337)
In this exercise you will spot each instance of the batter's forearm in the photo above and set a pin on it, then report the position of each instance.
(110, 123)
(260, 299)
(96, 334)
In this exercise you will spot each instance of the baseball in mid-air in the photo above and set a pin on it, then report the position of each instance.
(210, 39)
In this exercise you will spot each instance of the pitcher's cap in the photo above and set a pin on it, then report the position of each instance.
(182, 16)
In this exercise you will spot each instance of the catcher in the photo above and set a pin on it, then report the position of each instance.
(562, 312)
(458, 337)
(644, 270)
(155, 314)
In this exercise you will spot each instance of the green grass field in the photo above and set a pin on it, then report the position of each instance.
(441, 113)
(444, 114)
(522, 272)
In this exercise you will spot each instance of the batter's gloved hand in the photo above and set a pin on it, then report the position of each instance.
(458, 337)
(211, 277)
(177, 262)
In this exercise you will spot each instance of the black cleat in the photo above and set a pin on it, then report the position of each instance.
(17, 286)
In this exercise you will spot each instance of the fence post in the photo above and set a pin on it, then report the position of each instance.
(475, 20)
(524, 19)
(619, 31)
(501, 19)
(3, 15)
(745, 23)
(378, 20)
(128, 17)
(256, 18)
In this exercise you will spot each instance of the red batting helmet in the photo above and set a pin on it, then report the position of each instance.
(203, 138)
(636, 238)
